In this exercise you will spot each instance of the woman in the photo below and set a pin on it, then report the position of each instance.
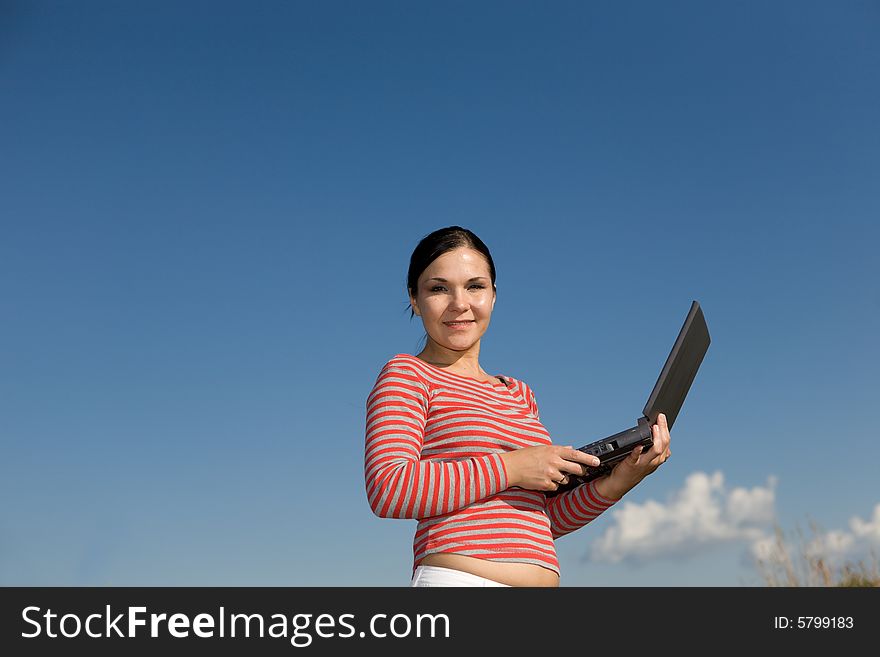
(464, 452)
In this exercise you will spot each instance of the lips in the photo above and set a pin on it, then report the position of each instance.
(463, 324)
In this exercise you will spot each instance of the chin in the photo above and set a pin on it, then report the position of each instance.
(462, 345)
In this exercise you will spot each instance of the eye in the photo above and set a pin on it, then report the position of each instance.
(437, 288)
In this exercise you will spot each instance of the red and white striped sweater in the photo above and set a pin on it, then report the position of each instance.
(433, 440)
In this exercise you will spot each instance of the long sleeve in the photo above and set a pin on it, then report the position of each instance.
(399, 484)
(574, 508)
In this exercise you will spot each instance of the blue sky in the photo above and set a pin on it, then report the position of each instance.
(207, 214)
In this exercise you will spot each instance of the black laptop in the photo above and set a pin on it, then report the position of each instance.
(667, 397)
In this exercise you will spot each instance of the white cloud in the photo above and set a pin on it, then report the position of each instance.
(822, 560)
(700, 515)
(768, 549)
(704, 514)
(834, 547)
(868, 531)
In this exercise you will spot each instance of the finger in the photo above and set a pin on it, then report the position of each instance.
(577, 469)
(658, 447)
(568, 468)
(576, 455)
(634, 455)
(664, 426)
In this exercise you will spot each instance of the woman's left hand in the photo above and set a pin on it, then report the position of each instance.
(639, 464)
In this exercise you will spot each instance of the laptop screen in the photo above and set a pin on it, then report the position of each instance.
(680, 368)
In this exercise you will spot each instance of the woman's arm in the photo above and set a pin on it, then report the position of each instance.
(398, 483)
(577, 507)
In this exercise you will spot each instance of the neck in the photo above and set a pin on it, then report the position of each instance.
(463, 361)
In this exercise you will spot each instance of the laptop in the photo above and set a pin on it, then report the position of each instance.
(667, 397)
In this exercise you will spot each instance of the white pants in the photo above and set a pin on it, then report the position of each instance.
(439, 576)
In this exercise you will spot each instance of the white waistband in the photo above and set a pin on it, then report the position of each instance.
(439, 576)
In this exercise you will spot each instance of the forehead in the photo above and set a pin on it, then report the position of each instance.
(462, 263)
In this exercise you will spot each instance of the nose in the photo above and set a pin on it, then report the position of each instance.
(459, 300)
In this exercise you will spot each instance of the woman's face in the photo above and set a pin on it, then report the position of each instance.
(455, 287)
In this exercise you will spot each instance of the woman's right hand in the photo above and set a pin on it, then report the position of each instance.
(545, 467)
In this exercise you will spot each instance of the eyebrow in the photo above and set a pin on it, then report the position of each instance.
(443, 280)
